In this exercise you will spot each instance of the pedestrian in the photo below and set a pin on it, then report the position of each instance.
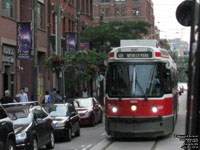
(46, 97)
(23, 97)
(7, 98)
(84, 93)
(58, 97)
(53, 95)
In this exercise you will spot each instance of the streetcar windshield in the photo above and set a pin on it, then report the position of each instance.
(134, 79)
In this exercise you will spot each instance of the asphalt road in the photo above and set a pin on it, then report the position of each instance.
(95, 138)
(89, 137)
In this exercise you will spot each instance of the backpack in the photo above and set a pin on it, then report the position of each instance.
(49, 99)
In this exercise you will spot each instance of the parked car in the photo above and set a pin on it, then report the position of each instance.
(89, 109)
(33, 126)
(65, 119)
(7, 134)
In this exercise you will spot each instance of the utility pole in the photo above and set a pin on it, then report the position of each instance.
(59, 75)
(78, 14)
(35, 60)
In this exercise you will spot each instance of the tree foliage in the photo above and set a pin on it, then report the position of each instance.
(182, 65)
(108, 35)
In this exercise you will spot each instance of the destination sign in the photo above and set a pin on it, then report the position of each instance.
(134, 55)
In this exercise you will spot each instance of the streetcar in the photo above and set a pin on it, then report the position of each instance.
(141, 98)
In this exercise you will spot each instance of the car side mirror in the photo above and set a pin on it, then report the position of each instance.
(39, 120)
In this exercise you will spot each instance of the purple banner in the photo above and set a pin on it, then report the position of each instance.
(70, 41)
(24, 44)
(85, 46)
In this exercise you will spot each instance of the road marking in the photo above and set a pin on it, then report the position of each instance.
(103, 134)
(82, 146)
(87, 147)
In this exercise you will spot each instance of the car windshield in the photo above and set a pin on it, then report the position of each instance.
(84, 103)
(21, 117)
(58, 111)
(134, 79)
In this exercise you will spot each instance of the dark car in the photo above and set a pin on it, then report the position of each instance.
(65, 119)
(89, 109)
(33, 127)
(7, 134)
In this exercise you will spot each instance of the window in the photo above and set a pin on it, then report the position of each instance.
(107, 12)
(105, 1)
(120, 0)
(167, 81)
(117, 12)
(136, 11)
(40, 15)
(8, 8)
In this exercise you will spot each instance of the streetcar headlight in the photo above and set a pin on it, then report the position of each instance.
(133, 107)
(114, 109)
(154, 109)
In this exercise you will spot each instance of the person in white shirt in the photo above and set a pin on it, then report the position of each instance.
(46, 96)
(84, 93)
(23, 97)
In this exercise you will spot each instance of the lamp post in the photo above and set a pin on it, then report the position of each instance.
(35, 60)
(78, 14)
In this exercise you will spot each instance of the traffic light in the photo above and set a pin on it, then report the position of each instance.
(184, 13)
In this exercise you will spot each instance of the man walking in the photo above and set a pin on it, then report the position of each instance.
(22, 96)
(7, 98)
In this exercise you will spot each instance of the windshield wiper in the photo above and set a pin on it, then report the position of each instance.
(145, 96)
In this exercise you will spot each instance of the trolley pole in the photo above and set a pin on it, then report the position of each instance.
(35, 59)
(78, 14)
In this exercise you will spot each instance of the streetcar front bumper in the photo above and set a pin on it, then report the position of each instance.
(139, 126)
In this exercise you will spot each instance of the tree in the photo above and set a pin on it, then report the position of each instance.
(108, 35)
(79, 66)
(182, 65)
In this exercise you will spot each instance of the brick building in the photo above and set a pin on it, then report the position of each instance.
(42, 46)
(15, 73)
(124, 10)
(67, 23)
(9, 66)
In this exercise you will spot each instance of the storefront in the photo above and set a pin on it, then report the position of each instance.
(8, 68)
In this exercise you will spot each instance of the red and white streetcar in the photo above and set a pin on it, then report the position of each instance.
(141, 92)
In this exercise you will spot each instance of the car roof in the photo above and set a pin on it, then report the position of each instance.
(18, 108)
(90, 98)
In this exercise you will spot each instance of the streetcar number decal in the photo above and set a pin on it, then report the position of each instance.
(134, 55)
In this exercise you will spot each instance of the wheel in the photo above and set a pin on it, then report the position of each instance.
(51, 144)
(93, 121)
(68, 135)
(78, 132)
(10, 145)
(101, 118)
(35, 144)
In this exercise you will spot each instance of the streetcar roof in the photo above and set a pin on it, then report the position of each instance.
(140, 53)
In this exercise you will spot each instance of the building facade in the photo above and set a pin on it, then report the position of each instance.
(124, 10)
(9, 65)
(180, 47)
(68, 24)
(26, 15)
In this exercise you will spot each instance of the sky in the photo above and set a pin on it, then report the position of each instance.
(165, 20)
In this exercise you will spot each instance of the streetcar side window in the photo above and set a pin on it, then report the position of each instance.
(167, 81)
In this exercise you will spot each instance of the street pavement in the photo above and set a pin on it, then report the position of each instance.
(90, 136)
(95, 138)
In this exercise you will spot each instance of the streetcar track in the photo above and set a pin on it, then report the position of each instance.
(154, 145)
